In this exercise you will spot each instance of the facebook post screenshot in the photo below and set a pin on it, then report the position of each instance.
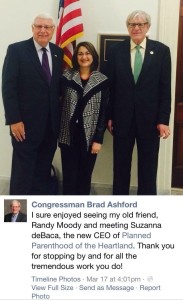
(92, 248)
(91, 156)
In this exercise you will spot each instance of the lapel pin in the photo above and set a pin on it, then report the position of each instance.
(55, 55)
(151, 52)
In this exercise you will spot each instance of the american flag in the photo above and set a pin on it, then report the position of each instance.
(69, 27)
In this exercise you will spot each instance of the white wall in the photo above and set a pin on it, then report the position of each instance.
(99, 16)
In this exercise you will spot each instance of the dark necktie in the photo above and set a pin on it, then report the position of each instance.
(45, 65)
(137, 63)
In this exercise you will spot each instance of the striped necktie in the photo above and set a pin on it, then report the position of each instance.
(137, 63)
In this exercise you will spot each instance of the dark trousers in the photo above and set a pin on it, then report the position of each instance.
(31, 165)
(77, 168)
(147, 150)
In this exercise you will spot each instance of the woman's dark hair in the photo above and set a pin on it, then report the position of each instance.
(93, 52)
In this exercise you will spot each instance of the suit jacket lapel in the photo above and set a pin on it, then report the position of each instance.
(18, 218)
(127, 60)
(148, 57)
(54, 61)
(31, 51)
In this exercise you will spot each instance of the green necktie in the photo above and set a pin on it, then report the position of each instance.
(137, 63)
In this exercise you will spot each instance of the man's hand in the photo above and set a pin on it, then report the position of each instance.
(164, 131)
(18, 131)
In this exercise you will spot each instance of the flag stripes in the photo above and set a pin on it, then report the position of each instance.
(69, 27)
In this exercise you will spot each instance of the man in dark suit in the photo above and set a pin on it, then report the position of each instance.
(140, 106)
(16, 215)
(31, 103)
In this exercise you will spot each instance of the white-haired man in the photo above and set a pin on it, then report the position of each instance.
(31, 89)
(16, 215)
(139, 71)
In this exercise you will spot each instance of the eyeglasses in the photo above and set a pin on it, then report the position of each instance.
(46, 27)
(140, 25)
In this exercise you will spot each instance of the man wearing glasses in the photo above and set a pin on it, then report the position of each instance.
(16, 215)
(31, 89)
(139, 70)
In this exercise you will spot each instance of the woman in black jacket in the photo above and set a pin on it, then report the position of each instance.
(83, 119)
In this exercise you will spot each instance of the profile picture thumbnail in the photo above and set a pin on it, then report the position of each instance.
(15, 210)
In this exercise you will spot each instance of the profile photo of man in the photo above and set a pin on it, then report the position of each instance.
(15, 214)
